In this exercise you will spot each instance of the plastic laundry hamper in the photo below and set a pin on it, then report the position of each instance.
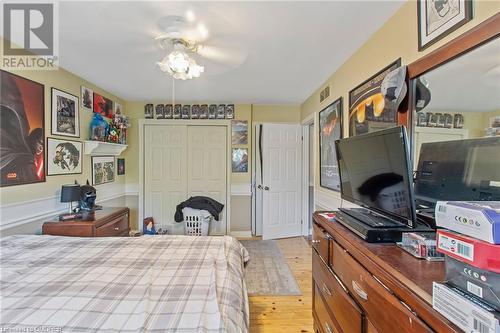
(196, 222)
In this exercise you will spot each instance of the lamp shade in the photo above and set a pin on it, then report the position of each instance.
(70, 193)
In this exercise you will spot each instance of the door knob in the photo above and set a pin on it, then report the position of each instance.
(259, 187)
(266, 188)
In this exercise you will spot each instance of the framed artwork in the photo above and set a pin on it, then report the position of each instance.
(103, 105)
(87, 96)
(221, 111)
(148, 111)
(204, 111)
(103, 169)
(118, 108)
(240, 160)
(369, 110)
(160, 111)
(177, 111)
(239, 132)
(230, 111)
(195, 111)
(120, 165)
(212, 111)
(64, 157)
(330, 129)
(22, 130)
(168, 111)
(436, 19)
(65, 115)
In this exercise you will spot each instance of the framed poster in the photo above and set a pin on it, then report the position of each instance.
(64, 157)
(221, 111)
(118, 108)
(212, 111)
(230, 111)
(103, 105)
(368, 108)
(87, 96)
(22, 130)
(204, 111)
(148, 111)
(65, 115)
(120, 165)
(239, 132)
(240, 160)
(436, 19)
(160, 111)
(330, 129)
(103, 169)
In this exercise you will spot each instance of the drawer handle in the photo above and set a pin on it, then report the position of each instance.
(327, 328)
(361, 293)
(326, 290)
(116, 228)
(315, 241)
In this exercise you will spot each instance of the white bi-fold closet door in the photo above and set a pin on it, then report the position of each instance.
(181, 161)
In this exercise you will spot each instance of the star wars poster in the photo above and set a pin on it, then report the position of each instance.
(330, 125)
(22, 131)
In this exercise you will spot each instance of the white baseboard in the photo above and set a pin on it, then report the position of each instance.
(29, 211)
(241, 234)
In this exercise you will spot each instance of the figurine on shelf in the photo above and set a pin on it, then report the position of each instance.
(118, 129)
(113, 133)
(98, 128)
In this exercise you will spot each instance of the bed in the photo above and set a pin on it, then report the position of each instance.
(153, 284)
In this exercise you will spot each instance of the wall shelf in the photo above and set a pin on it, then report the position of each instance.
(103, 148)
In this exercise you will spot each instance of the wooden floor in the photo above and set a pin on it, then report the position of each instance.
(280, 314)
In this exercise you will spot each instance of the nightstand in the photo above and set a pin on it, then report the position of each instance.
(108, 222)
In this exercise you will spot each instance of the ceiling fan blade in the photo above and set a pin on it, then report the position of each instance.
(229, 56)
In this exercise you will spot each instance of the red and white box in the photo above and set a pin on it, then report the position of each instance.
(473, 251)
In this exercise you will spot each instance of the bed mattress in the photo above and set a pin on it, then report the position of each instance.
(129, 284)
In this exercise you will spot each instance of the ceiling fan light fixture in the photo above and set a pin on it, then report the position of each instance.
(178, 62)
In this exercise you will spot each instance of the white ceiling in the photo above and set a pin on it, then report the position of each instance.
(290, 48)
(470, 83)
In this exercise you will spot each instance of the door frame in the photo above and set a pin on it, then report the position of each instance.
(143, 123)
(308, 121)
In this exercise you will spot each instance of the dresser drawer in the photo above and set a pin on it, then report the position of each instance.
(346, 312)
(116, 227)
(386, 312)
(325, 321)
(320, 241)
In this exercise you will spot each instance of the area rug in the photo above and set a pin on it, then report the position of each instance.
(267, 272)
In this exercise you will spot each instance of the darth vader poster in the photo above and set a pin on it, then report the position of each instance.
(22, 131)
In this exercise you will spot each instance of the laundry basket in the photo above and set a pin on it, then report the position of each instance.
(196, 222)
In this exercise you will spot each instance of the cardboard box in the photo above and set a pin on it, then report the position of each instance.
(483, 284)
(464, 311)
(477, 219)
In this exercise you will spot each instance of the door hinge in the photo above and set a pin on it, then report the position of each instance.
(301, 221)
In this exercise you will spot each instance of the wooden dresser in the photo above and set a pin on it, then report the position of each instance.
(107, 222)
(363, 287)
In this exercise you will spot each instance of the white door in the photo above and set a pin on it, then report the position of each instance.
(281, 181)
(165, 172)
(207, 167)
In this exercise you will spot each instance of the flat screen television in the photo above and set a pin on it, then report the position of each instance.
(460, 170)
(375, 173)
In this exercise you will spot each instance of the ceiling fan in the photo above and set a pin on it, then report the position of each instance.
(187, 40)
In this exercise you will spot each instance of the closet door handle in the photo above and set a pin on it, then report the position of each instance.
(266, 188)
(259, 187)
(328, 328)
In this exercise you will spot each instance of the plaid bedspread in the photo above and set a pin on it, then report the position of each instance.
(143, 284)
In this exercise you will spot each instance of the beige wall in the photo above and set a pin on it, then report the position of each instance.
(276, 113)
(397, 38)
(68, 82)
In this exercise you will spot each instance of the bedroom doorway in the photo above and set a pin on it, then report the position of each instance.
(278, 180)
(181, 161)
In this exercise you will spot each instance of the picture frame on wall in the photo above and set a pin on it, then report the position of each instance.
(437, 19)
(212, 111)
(239, 132)
(168, 111)
(204, 111)
(64, 157)
(239, 160)
(65, 114)
(195, 111)
(177, 111)
(369, 109)
(148, 111)
(230, 111)
(103, 169)
(120, 166)
(87, 96)
(330, 129)
(186, 111)
(23, 153)
(159, 111)
(103, 105)
(221, 111)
